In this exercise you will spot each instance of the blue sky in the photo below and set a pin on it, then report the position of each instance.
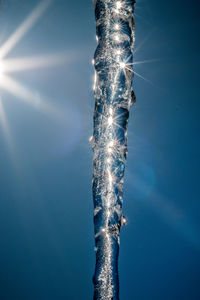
(46, 209)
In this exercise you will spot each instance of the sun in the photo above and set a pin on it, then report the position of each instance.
(19, 64)
(8, 66)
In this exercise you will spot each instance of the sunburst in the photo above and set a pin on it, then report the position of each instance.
(20, 64)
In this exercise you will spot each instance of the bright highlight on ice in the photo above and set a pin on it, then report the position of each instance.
(117, 26)
(118, 4)
(122, 65)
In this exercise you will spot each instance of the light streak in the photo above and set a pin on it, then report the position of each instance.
(2, 69)
(19, 64)
(13, 65)
(24, 63)
(25, 94)
(24, 28)
(4, 123)
(113, 62)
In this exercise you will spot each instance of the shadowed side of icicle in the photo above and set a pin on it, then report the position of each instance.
(113, 97)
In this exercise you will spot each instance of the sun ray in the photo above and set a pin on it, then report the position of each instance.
(4, 123)
(145, 61)
(25, 94)
(8, 137)
(143, 42)
(24, 28)
(145, 79)
(35, 62)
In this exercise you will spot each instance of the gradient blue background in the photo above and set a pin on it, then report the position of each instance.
(46, 210)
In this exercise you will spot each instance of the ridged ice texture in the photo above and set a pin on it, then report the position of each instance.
(113, 98)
